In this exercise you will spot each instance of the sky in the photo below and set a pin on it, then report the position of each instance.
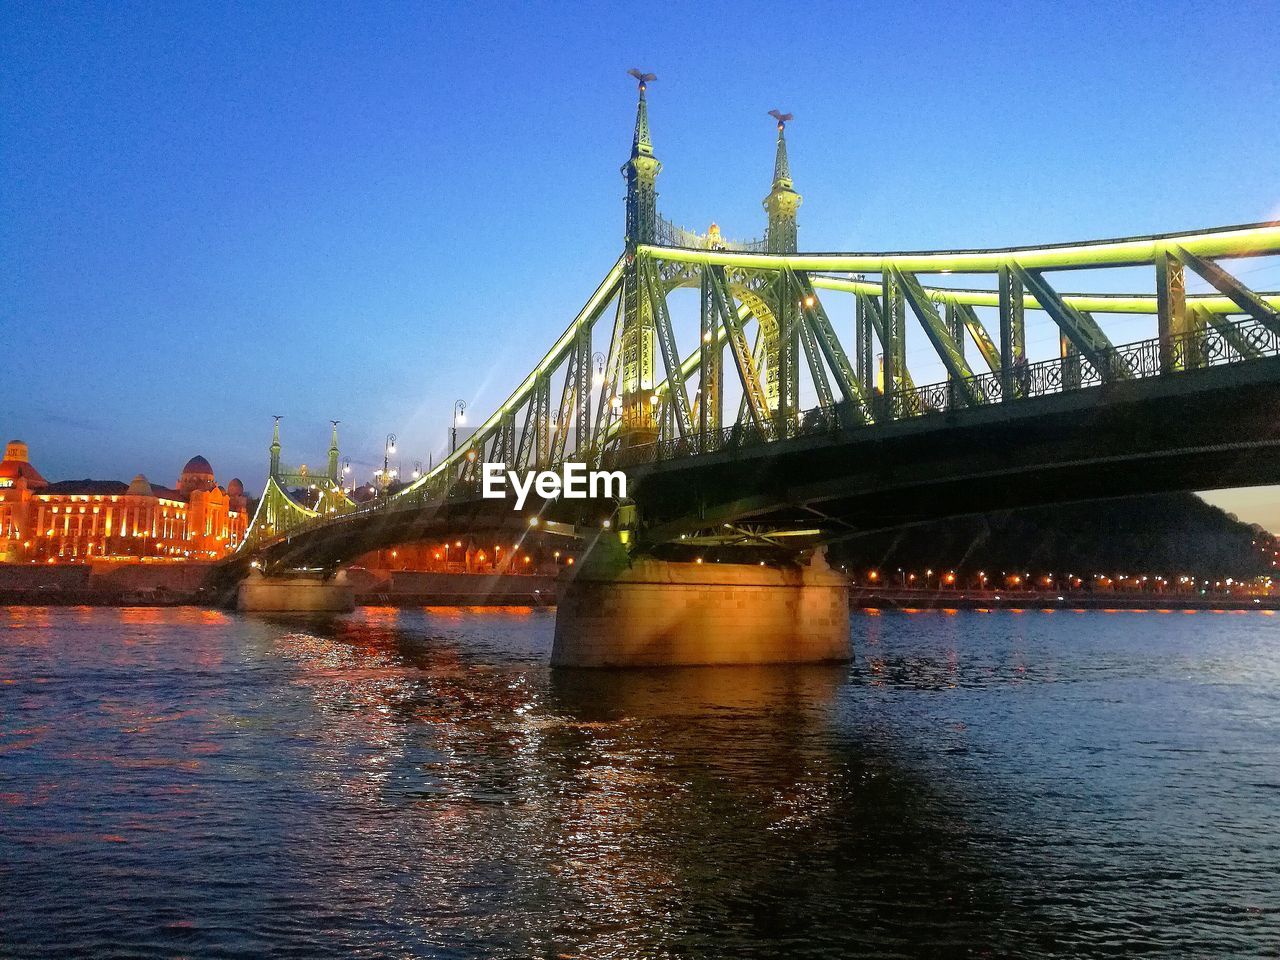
(211, 214)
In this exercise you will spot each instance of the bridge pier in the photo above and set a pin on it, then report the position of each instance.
(295, 593)
(662, 613)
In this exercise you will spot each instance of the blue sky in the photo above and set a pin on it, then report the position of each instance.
(210, 214)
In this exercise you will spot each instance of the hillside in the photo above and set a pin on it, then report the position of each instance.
(1166, 534)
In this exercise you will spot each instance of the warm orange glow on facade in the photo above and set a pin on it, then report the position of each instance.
(83, 520)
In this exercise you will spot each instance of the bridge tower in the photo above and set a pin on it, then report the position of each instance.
(782, 342)
(333, 452)
(275, 450)
(782, 202)
(639, 414)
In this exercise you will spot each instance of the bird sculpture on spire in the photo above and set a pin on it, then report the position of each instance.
(641, 77)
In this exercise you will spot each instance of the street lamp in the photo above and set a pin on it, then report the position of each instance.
(597, 380)
(459, 416)
(346, 472)
(417, 469)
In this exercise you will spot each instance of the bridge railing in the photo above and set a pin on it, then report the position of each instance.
(1221, 344)
(1227, 342)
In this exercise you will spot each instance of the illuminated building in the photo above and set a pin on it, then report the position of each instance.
(76, 521)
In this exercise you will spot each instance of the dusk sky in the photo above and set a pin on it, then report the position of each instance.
(210, 214)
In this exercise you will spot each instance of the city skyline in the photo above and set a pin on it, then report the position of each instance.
(212, 220)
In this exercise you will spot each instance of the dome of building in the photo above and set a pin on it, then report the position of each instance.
(196, 475)
(198, 465)
(140, 487)
(235, 488)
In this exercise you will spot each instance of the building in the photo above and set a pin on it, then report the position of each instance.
(76, 521)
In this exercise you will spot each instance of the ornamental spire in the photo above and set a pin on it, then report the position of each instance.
(333, 452)
(275, 448)
(640, 171)
(641, 145)
(781, 168)
(783, 201)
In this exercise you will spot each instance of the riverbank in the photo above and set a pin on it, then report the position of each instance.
(167, 585)
(173, 584)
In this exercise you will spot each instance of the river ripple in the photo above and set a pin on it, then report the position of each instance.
(408, 783)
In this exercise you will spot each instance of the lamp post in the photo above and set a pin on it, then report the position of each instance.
(459, 416)
(417, 469)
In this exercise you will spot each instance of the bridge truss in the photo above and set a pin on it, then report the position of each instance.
(693, 344)
(764, 327)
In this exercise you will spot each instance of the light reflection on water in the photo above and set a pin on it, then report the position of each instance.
(419, 783)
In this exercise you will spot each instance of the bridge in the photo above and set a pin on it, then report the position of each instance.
(760, 403)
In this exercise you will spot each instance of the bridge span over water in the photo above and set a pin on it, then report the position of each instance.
(759, 399)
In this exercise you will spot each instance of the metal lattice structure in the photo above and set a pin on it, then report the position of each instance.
(772, 359)
(295, 497)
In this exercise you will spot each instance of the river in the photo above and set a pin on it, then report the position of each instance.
(404, 783)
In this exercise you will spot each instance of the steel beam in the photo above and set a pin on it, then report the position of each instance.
(970, 321)
(667, 347)
(757, 358)
(892, 338)
(948, 349)
(1013, 332)
(743, 361)
(559, 431)
(815, 315)
(786, 309)
(605, 411)
(1249, 240)
(582, 391)
(1080, 328)
(862, 347)
(1171, 308)
(1229, 286)
(711, 357)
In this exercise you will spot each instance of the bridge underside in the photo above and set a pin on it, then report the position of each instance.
(1198, 430)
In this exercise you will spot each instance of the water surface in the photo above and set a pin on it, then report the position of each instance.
(180, 782)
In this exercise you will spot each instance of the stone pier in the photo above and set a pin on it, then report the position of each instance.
(296, 593)
(661, 613)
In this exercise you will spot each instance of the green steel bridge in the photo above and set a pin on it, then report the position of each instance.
(782, 421)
